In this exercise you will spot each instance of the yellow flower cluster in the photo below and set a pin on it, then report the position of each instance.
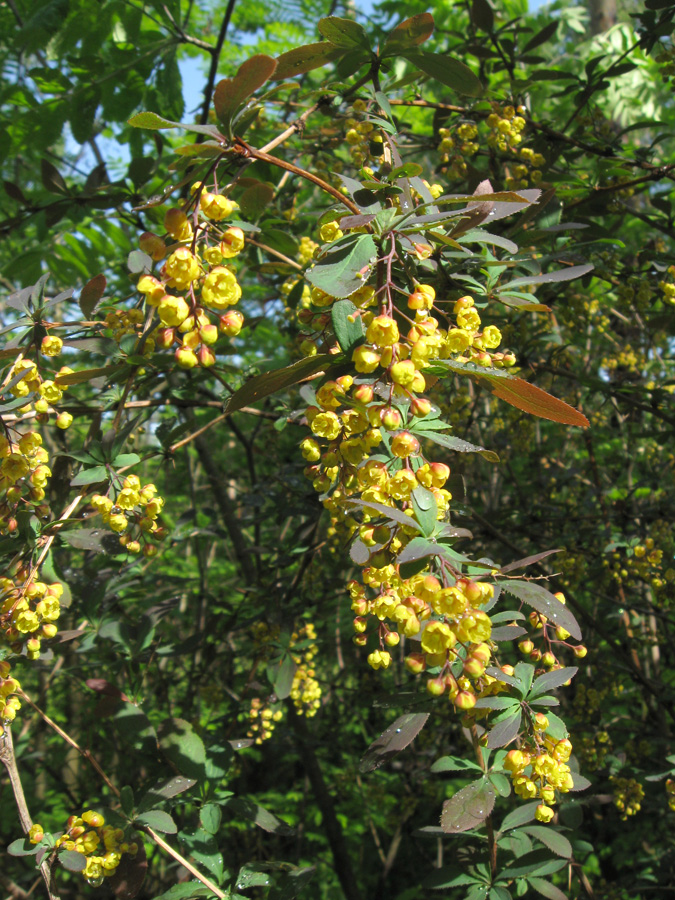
(455, 146)
(670, 793)
(132, 512)
(196, 286)
(102, 844)
(262, 720)
(364, 141)
(540, 770)
(9, 704)
(28, 611)
(628, 795)
(47, 392)
(306, 690)
(23, 476)
(375, 408)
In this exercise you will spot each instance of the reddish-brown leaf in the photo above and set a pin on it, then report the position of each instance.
(533, 400)
(231, 93)
(91, 294)
(410, 33)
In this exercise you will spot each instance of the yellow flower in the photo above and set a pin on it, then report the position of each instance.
(437, 637)
(51, 345)
(221, 288)
(173, 311)
(232, 242)
(183, 268)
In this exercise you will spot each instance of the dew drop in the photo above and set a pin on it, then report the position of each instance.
(398, 731)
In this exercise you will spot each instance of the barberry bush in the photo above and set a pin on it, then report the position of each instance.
(335, 478)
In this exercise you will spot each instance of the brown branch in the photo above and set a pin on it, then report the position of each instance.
(249, 152)
(8, 759)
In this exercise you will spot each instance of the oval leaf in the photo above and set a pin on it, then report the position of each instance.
(550, 680)
(158, 820)
(457, 444)
(304, 59)
(546, 889)
(449, 71)
(504, 732)
(552, 839)
(344, 33)
(342, 270)
(409, 33)
(531, 399)
(91, 293)
(347, 326)
(545, 603)
(231, 93)
(72, 860)
(469, 808)
(270, 382)
(396, 738)
(548, 277)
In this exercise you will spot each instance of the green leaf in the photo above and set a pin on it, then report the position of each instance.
(538, 862)
(557, 729)
(270, 382)
(551, 838)
(158, 820)
(52, 180)
(455, 443)
(256, 199)
(231, 93)
(260, 816)
(22, 847)
(396, 738)
(165, 790)
(183, 747)
(210, 816)
(344, 33)
(546, 889)
(126, 459)
(501, 784)
(519, 816)
(549, 277)
(545, 603)
(72, 860)
(87, 375)
(347, 325)
(185, 891)
(409, 33)
(344, 267)
(426, 510)
(90, 476)
(541, 37)
(418, 548)
(151, 120)
(469, 807)
(449, 71)
(454, 764)
(304, 59)
(91, 294)
(482, 15)
(282, 676)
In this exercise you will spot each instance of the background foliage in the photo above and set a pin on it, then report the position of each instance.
(160, 659)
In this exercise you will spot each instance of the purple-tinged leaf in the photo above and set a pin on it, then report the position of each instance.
(545, 603)
(469, 807)
(549, 277)
(396, 738)
(270, 382)
(551, 680)
(501, 734)
(528, 561)
(507, 633)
